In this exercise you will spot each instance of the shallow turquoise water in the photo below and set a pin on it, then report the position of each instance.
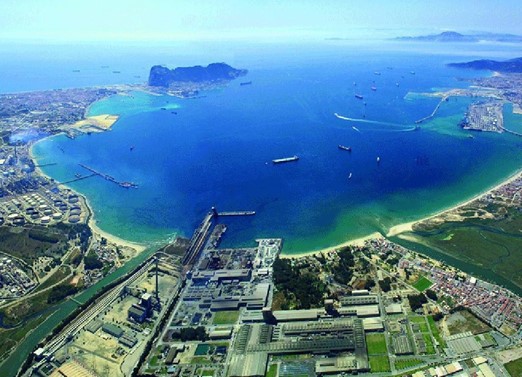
(216, 151)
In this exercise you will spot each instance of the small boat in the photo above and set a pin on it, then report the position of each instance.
(396, 84)
(374, 88)
(359, 96)
(349, 149)
(132, 148)
(377, 73)
(412, 72)
(378, 159)
(78, 175)
(245, 83)
(76, 70)
(116, 71)
(355, 129)
(350, 176)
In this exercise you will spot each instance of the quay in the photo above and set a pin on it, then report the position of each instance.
(198, 240)
(110, 178)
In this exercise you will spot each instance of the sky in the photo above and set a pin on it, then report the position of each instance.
(163, 20)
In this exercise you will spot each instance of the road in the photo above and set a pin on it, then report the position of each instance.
(84, 318)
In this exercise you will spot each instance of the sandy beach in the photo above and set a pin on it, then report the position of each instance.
(97, 232)
(408, 227)
(103, 121)
(354, 242)
(404, 227)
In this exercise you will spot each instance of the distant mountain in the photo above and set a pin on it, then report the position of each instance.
(453, 36)
(507, 66)
(164, 77)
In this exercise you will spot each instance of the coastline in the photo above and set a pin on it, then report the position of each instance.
(408, 227)
(399, 229)
(354, 242)
(91, 221)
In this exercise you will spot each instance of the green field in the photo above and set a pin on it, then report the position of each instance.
(422, 284)
(489, 243)
(514, 367)
(226, 317)
(435, 332)
(60, 274)
(272, 371)
(379, 364)
(430, 349)
(421, 321)
(407, 363)
(376, 344)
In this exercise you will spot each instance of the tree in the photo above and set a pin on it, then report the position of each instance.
(416, 301)
(385, 284)
(431, 294)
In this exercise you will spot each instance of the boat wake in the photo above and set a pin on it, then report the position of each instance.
(374, 122)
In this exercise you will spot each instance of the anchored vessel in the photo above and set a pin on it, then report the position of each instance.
(358, 96)
(245, 83)
(286, 159)
(349, 149)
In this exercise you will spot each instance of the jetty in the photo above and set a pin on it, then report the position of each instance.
(444, 99)
(48, 164)
(77, 179)
(510, 131)
(109, 178)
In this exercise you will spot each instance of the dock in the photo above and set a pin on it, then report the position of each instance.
(198, 240)
(109, 178)
(237, 213)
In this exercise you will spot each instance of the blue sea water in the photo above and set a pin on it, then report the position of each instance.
(216, 150)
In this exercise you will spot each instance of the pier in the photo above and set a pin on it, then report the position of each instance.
(77, 179)
(49, 164)
(237, 213)
(510, 132)
(198, 240)
(444, 99)
(110, 178)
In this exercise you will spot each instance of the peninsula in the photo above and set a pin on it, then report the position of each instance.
(161, 76)
(506, 66)
(453, 36)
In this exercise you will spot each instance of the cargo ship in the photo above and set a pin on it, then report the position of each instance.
(349, 149)
(358, 96)
(286, 159)
(245, 83)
